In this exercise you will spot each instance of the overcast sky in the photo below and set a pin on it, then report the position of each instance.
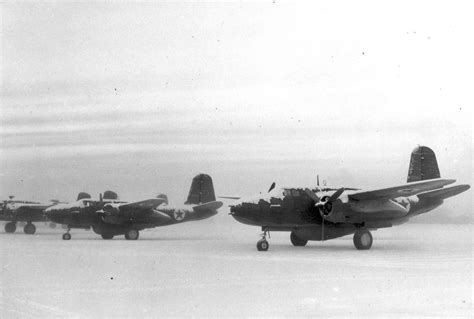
(139, 98)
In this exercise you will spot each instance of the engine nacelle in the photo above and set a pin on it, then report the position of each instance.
(110, 214)
(111, 208)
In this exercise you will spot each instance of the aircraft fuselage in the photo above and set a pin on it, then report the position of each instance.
(288, 209)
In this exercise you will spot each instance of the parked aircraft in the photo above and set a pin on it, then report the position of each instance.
(325, 213)
(112, 217)
(14, 211)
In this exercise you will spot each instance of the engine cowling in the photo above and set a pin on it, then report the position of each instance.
(110, 213)
(325, 206)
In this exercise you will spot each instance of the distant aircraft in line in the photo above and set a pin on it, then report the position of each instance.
(110, 217)
(325, 213)
(14, 211)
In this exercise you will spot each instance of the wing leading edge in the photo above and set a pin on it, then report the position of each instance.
(144, 204)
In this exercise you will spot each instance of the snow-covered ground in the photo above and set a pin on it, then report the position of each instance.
(212, 268)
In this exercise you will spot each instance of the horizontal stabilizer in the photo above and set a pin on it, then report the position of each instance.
(208, 206)
(144, 204)
(229, 197)
(444, 192)
(402, 190)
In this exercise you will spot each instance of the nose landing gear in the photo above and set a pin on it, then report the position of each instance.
(67, 236)
(262, 244)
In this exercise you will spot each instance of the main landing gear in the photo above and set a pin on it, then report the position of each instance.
(296, 241)
(131, 234)
(262, 244)
(363, 239)
(107, 236)
(10, 227)
(67, 236)
(29, 229)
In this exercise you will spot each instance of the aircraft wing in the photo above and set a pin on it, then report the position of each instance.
(122, 212)
(142, 205)
(408, 189)
(33, 207)
(209, 206)
(444, 192)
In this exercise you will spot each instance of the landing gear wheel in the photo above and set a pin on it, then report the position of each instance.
(363, 239)
(107, 236)
(29, 229)
(10, 227)
(296, 241)
(66, 236)
(132, 234)
(262, 245)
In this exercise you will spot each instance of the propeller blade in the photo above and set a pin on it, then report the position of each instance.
(312, 195)
(322, 227)
(271, 187)
(336, 194)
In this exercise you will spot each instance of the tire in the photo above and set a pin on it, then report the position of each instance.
(10, 227)
(262, 245)
(296, 241)
(107, 236)
(29, 229)
(363, 239)
(66, 236)
(132, 234)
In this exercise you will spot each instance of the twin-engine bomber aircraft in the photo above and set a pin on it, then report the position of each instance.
(14, 211)
(111, 217)
(324, 213)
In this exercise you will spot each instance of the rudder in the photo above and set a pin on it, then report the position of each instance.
(201, 191)
(423, 165)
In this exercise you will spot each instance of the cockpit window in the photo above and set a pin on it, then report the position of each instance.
(87, 203)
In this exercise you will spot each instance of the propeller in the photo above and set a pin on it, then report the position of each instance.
(108, 213)
(324, 204)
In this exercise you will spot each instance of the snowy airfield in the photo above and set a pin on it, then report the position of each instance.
(212, 268)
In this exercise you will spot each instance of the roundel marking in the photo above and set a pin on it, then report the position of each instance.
(179, 215)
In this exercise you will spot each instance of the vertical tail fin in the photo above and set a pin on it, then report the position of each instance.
(423, 165)
(110, 195)
(83, 195)
(202, 190)
(164, 197)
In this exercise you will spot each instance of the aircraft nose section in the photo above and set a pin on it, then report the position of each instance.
(235, 209)
(48, 212)
(53, 213)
